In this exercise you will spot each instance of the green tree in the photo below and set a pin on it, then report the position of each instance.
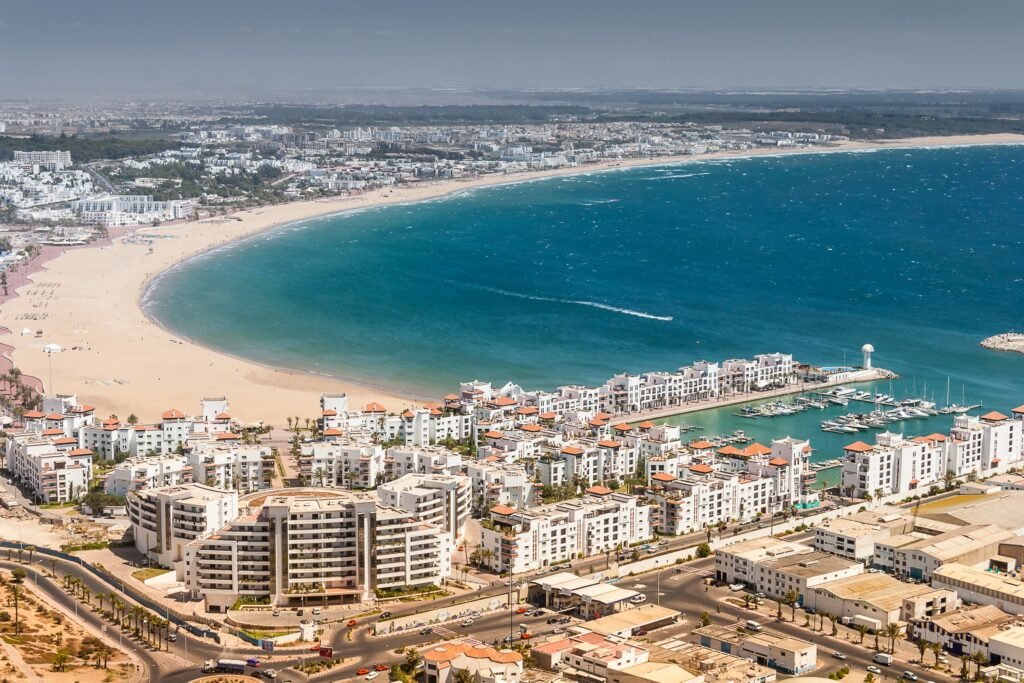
(892, 632)
(862, 630)
(790, 598)
(705, 619)
(703, 550)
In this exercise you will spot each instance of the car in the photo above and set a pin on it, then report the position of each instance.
(385, 615)
(277, 613)
(171, 637)
(426, 631)
(298, 613)
(638, 599)
(380, 667)
(839, 655)
(370, 676)
(737, 587)
(565, 620)
(270, 674)
(467, 623)
(316, 611)
(554, 620)
(761, 596)
(651, 551)
(521, 610)
(873, 669)
(362, 672)
(909, 676)
(810, 610)
(352, 623)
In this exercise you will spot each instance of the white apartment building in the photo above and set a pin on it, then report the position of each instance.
(164, 520)
(226, 464)
(148, 472)
(321, 548)
(443, 500)
(52, 161)
(122, 210)
(52, 468)
(526, 540)
(980, 445)
(344, 462)
(402, 460)
(500, 484)
(111, 437)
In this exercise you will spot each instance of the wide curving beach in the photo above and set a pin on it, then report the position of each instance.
(87, 301)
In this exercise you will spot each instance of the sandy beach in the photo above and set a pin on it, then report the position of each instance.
(87, 300)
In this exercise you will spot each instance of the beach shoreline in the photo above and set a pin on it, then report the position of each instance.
(117, 357)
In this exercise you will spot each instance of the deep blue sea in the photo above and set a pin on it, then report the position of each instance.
(572, 279)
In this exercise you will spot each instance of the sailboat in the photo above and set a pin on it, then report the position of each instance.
(947, 409)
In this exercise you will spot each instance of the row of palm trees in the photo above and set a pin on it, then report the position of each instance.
(17, 396)
(892, 632)
(143, 623)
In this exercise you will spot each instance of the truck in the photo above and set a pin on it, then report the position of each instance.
(882, 658)
(873, 625)
(228, 666)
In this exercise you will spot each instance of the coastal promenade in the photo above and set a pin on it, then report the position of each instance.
(856, 376)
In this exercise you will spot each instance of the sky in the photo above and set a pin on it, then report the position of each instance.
(215, 47)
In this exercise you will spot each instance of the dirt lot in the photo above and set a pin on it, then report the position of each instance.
(48, 646)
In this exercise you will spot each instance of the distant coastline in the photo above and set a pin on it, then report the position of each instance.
(132, 364)
(1007, 341)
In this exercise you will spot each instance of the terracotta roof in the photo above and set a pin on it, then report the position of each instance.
(859, 447)
(608, 443)
(330, 413)
(503, 510)
(572, 450)
(993, 417)
(1018, 410)
(548, 416)
(602, 416)
(436, 411)
(222, 416)
(451, 397)
(52, 432)
(65, 440)
(701, 445)
(446, 652)
(333, 432)
(32, 414)
(530, 428)
(756, 449)
(505, 401)
(777, 462)
(54, 416)
(622, 427)
(374, 407)
(493, 435)
(646, 424)
(701, 469)
(599, 490)
(172, 414)
(662, 476)
(407, 414)
(527, 410)
(227, 436)
(730, 450)
(596, 422)
(80, 451)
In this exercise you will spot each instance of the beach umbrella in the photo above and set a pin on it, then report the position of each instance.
(52, 348)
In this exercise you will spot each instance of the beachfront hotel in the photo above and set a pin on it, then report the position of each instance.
(49, 465)
(424, 426)
(975, 447)
(316, 547)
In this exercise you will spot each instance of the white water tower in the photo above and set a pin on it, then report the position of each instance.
(867, 350)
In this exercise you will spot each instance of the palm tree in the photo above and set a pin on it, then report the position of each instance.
(746, 600)
(862, 630)
(892, 632)
(936, 649)
(791, 598)
(922, 645)
(101, 597)
(980, 659)
(31, 549)
(16, 594)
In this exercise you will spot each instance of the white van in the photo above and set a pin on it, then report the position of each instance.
(753, 625)
(882, 658)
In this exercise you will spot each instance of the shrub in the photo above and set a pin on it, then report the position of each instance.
(5, 615)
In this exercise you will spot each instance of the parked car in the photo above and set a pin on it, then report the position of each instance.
(426, 631)
(467, 623)
(385, 615)
(362, 672)
(316, 611)
(839, 655)
(565, 620)
(873, 669)
(380, 667)
(172, 637)
(554, 620)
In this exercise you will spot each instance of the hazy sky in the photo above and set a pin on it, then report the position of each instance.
(224, 46)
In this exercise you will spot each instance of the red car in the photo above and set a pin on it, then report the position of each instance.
(362, 672)
(352, 623)
(380, 667)
(521, 610)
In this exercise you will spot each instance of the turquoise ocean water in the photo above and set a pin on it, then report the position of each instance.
(572, 279)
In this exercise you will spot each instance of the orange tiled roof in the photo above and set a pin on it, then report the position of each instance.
(662, 476)
(701, 469)
(503, 510)
(374, 407)
(993, 417)
(572, 450)
(172, 414)
(608, 443)
(777, 462)
(701, 445)
(599, 490)
(859, 447)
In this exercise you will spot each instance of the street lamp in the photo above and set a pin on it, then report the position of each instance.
(51, 349)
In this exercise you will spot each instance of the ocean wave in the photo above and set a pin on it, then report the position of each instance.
(572, 302)
(672, 176)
